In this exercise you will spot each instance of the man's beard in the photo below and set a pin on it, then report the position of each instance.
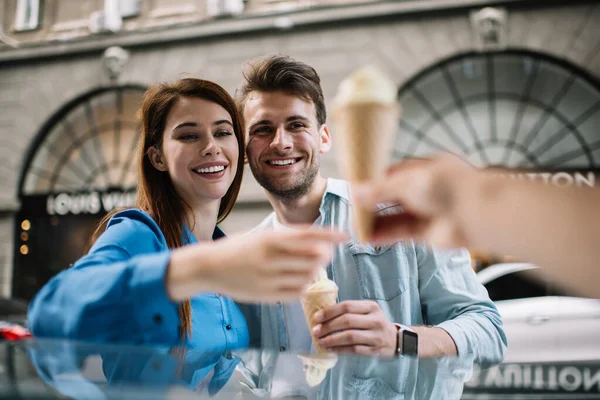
(298, 188)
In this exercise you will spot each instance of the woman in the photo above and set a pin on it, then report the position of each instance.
(151, 277)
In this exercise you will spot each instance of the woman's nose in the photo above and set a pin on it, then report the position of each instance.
(211, 148)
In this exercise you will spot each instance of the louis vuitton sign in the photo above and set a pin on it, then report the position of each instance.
(564, 178)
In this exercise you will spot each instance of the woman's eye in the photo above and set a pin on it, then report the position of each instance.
(187, 136)
(223, 133)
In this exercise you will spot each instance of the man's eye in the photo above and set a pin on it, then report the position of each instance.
(263, 130)
(296, 125)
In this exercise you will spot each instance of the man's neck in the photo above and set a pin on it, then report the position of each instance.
(303, 210)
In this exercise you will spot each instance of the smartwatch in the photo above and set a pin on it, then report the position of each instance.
(407, 342)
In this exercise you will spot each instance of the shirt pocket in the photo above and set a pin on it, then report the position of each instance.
(381, 270)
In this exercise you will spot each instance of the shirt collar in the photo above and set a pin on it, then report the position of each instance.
(189, 238)
(218, 233)
(335, 187)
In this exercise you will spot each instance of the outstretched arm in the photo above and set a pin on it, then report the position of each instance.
(450, 204)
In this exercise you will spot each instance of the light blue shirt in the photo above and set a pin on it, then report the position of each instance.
(411, 283)
(116, 294)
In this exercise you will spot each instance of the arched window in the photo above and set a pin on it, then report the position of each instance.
(509, 109)
(514, 109)
(80, 166)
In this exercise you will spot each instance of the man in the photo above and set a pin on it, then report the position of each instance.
(385, 291)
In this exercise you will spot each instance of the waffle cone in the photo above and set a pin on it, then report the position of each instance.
(316, 301)
(364, 132)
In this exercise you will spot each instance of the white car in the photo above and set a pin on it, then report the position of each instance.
(543, 322)
(553, 339)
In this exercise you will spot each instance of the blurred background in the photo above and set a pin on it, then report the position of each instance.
(503, 83)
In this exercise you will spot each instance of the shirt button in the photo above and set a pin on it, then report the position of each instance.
(157, 318)
(228, 327)
(282, 348)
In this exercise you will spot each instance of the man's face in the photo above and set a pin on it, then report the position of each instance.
(284, 142)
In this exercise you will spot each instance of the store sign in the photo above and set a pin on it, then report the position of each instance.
(566, 178)
(88, 202)
(561, 179)
(537, 378)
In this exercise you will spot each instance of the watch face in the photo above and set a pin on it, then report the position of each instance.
(410, 342)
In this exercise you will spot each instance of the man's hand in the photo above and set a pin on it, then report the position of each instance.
(355, 327)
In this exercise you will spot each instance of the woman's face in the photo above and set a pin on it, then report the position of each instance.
(199, 151)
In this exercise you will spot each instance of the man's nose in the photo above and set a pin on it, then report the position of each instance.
(282, 140)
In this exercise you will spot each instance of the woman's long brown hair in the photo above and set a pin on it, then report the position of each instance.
(155, 192)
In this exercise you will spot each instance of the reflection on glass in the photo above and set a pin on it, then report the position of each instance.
(101, 371)
(52, 369)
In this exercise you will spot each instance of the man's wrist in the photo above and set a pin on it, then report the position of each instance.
(407, 340)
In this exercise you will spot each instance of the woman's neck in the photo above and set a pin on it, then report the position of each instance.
(202, 218)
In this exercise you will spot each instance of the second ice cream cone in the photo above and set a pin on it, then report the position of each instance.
(314, 301)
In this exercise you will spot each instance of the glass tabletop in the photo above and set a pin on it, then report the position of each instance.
(58, 369)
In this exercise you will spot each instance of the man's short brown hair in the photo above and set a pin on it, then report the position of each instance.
(282, 73)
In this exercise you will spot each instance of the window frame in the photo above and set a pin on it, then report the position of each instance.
(24, 24)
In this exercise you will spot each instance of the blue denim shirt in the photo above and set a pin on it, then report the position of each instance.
(116, 294)
(412, 284)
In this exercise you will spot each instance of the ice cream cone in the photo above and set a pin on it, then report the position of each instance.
(321, 294)
(365, 115)
(316, 301)
(316, 366)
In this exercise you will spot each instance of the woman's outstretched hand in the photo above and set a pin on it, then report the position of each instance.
(266, 266)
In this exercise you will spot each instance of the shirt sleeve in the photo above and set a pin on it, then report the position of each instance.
(454, 300)
(115, 293)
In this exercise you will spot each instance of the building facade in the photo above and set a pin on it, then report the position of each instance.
(504, 83)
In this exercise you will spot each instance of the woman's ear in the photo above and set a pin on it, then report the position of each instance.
(157, 159)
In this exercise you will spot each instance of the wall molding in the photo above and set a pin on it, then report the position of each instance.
(246, 24)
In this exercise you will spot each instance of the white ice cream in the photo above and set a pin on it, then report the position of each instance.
(366, 85)
(322, 283)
